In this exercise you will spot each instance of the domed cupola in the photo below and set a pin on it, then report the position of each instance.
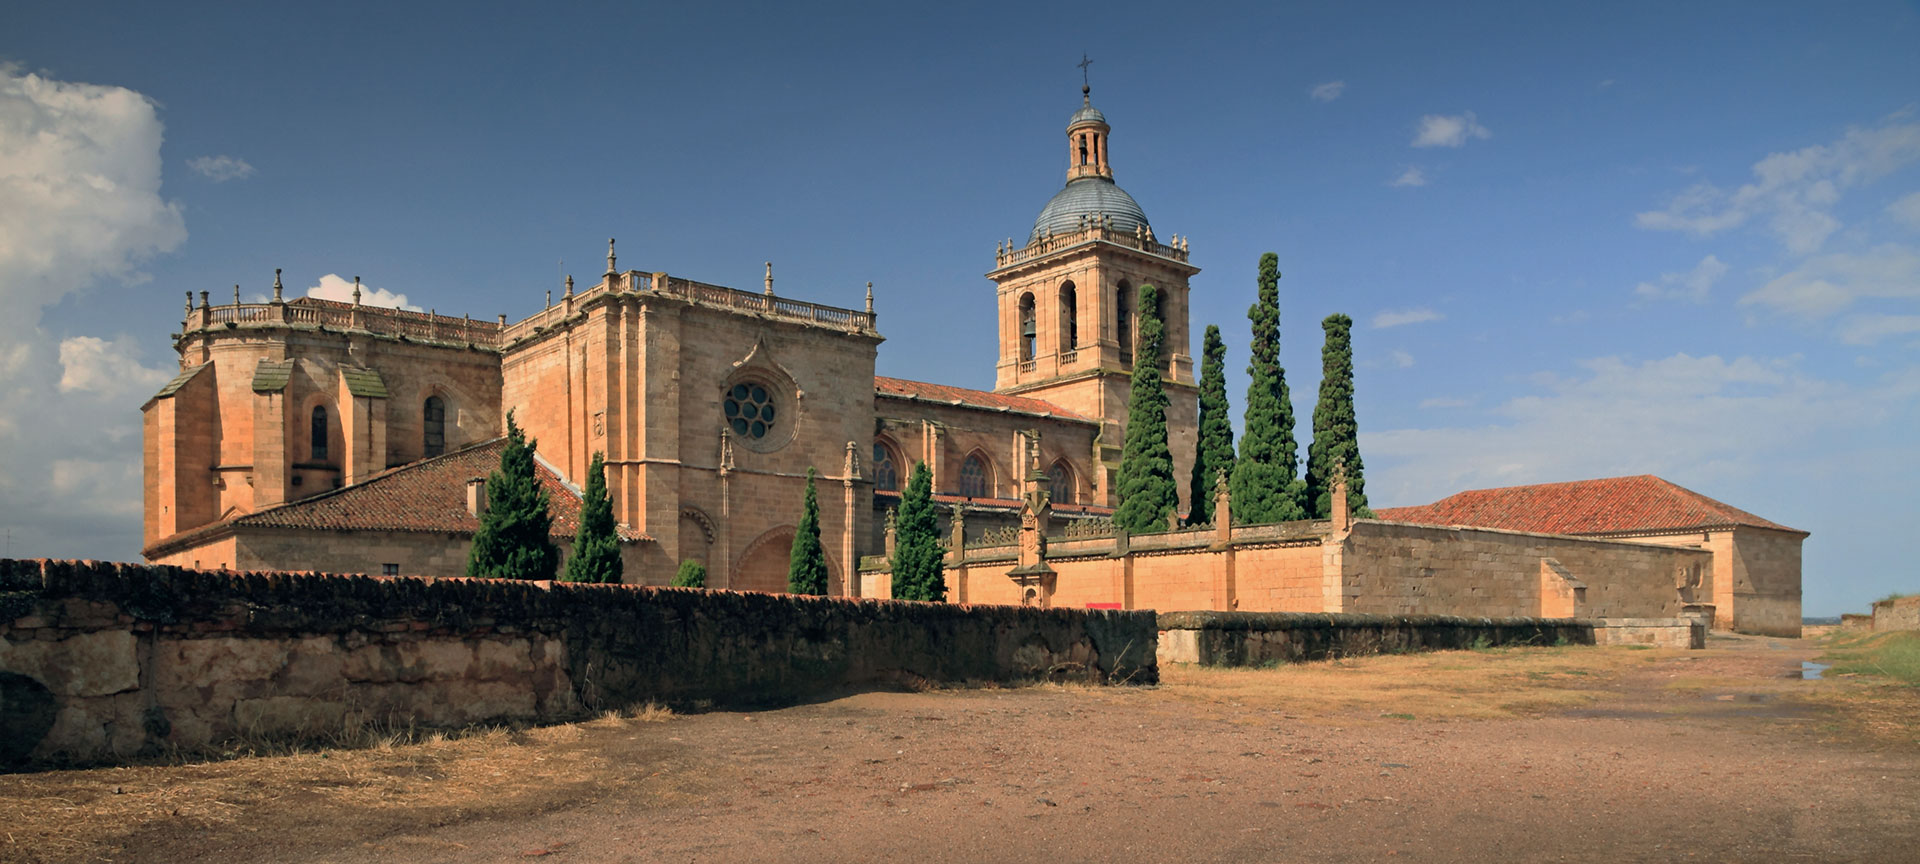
(1090, 196)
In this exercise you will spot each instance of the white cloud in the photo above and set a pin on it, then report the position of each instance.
(1794, 191)
(80, 203)
(1870, 329)
(1400, 359)
(1396, 317)
(1907, 211)
(332, 287)
(221, 168)
(1327, 92)
(1692, 285)
(1678, 414)
(1826, 284)
(1449, 130)
(107, 370)
(1413, 176)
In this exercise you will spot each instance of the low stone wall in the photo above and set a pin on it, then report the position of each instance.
(1856, 621)
(1657, 632)
(99, 661)
(1897, 613)
(1263, 638)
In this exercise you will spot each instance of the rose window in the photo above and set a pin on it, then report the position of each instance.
(749, 410)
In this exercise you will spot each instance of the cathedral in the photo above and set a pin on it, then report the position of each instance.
(309, 434)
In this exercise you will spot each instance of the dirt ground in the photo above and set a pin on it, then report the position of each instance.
(1552, 754)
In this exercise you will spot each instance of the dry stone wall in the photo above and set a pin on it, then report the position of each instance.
(99, 661)
(1263, 638)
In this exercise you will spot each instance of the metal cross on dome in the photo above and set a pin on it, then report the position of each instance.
(1083, 64)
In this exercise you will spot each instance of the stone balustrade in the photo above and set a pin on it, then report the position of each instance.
(1007, 257)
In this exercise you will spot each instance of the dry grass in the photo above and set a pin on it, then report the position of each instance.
(392, 778)
(1501, 682)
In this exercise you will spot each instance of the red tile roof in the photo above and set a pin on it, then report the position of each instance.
(1616, 505)
(900, 388)
(428, 495)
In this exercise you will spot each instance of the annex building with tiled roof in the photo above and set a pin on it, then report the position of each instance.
(1753, 583)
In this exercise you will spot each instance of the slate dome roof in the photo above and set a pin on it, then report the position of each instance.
(1087, 114)
(1088, 196)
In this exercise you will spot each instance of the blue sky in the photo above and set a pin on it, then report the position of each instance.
(1680, 239)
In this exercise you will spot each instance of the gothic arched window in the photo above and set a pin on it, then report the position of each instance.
(1060, 482)
(317, 440)
(1027, 327)
(886, 473)
(976, 479)
(433, 427)
(1069, 318)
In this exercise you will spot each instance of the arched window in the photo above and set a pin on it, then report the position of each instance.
(1060, 482)
(1069, 318)
(1027, 327)
(1083, 148)
(317, 441)
(886, 473)
(433, 434)
(1123, 319)
(976, 479)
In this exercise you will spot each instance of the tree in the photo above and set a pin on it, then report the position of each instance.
(596, 548)
(1336, 433)
(919, 567)
(1215, 453)
(807, 566)
(692, 574)
(1265, 486)
(1146, 487)
(514, 540)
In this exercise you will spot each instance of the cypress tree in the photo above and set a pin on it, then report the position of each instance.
(918, 564)
(514, 539)
(1336, 433)
(1215, 453)
(1146, 486)
(807, 566)
(692, 574)
(1265, 486)
(596, 549)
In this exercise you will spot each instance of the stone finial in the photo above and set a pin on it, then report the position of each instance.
(1222, 507)
(204, 303)
(610, 258)
(769, 278)
(549, 298)
(276, 286)
(852, 469)
(356, 290)
(189, 303)
(892, 532)
(236, 295)
(869, 298)
(503, 319)
(569, 284)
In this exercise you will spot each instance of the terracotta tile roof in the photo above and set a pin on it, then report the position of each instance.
(1616, 505)
(428, 495)
(900, 388)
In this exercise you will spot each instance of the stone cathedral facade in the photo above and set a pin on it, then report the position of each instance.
(308, 434)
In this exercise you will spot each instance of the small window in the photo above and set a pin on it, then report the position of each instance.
(976, 481)
(434, 432)
(750, 411)
(1060, 483)
(389, 569)
(886, 476)
(317, 450)
(1069, 318)
(1027, 327)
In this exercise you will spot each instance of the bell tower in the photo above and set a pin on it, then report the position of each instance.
(1067, 299)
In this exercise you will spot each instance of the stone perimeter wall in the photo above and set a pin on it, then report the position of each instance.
(99, 660)
(1898, 613)
(1263, 638)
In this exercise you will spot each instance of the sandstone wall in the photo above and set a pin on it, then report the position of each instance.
(1766, 581)
(1391, 568)
(1899, 613)
(106, 660)
(1256, 639)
